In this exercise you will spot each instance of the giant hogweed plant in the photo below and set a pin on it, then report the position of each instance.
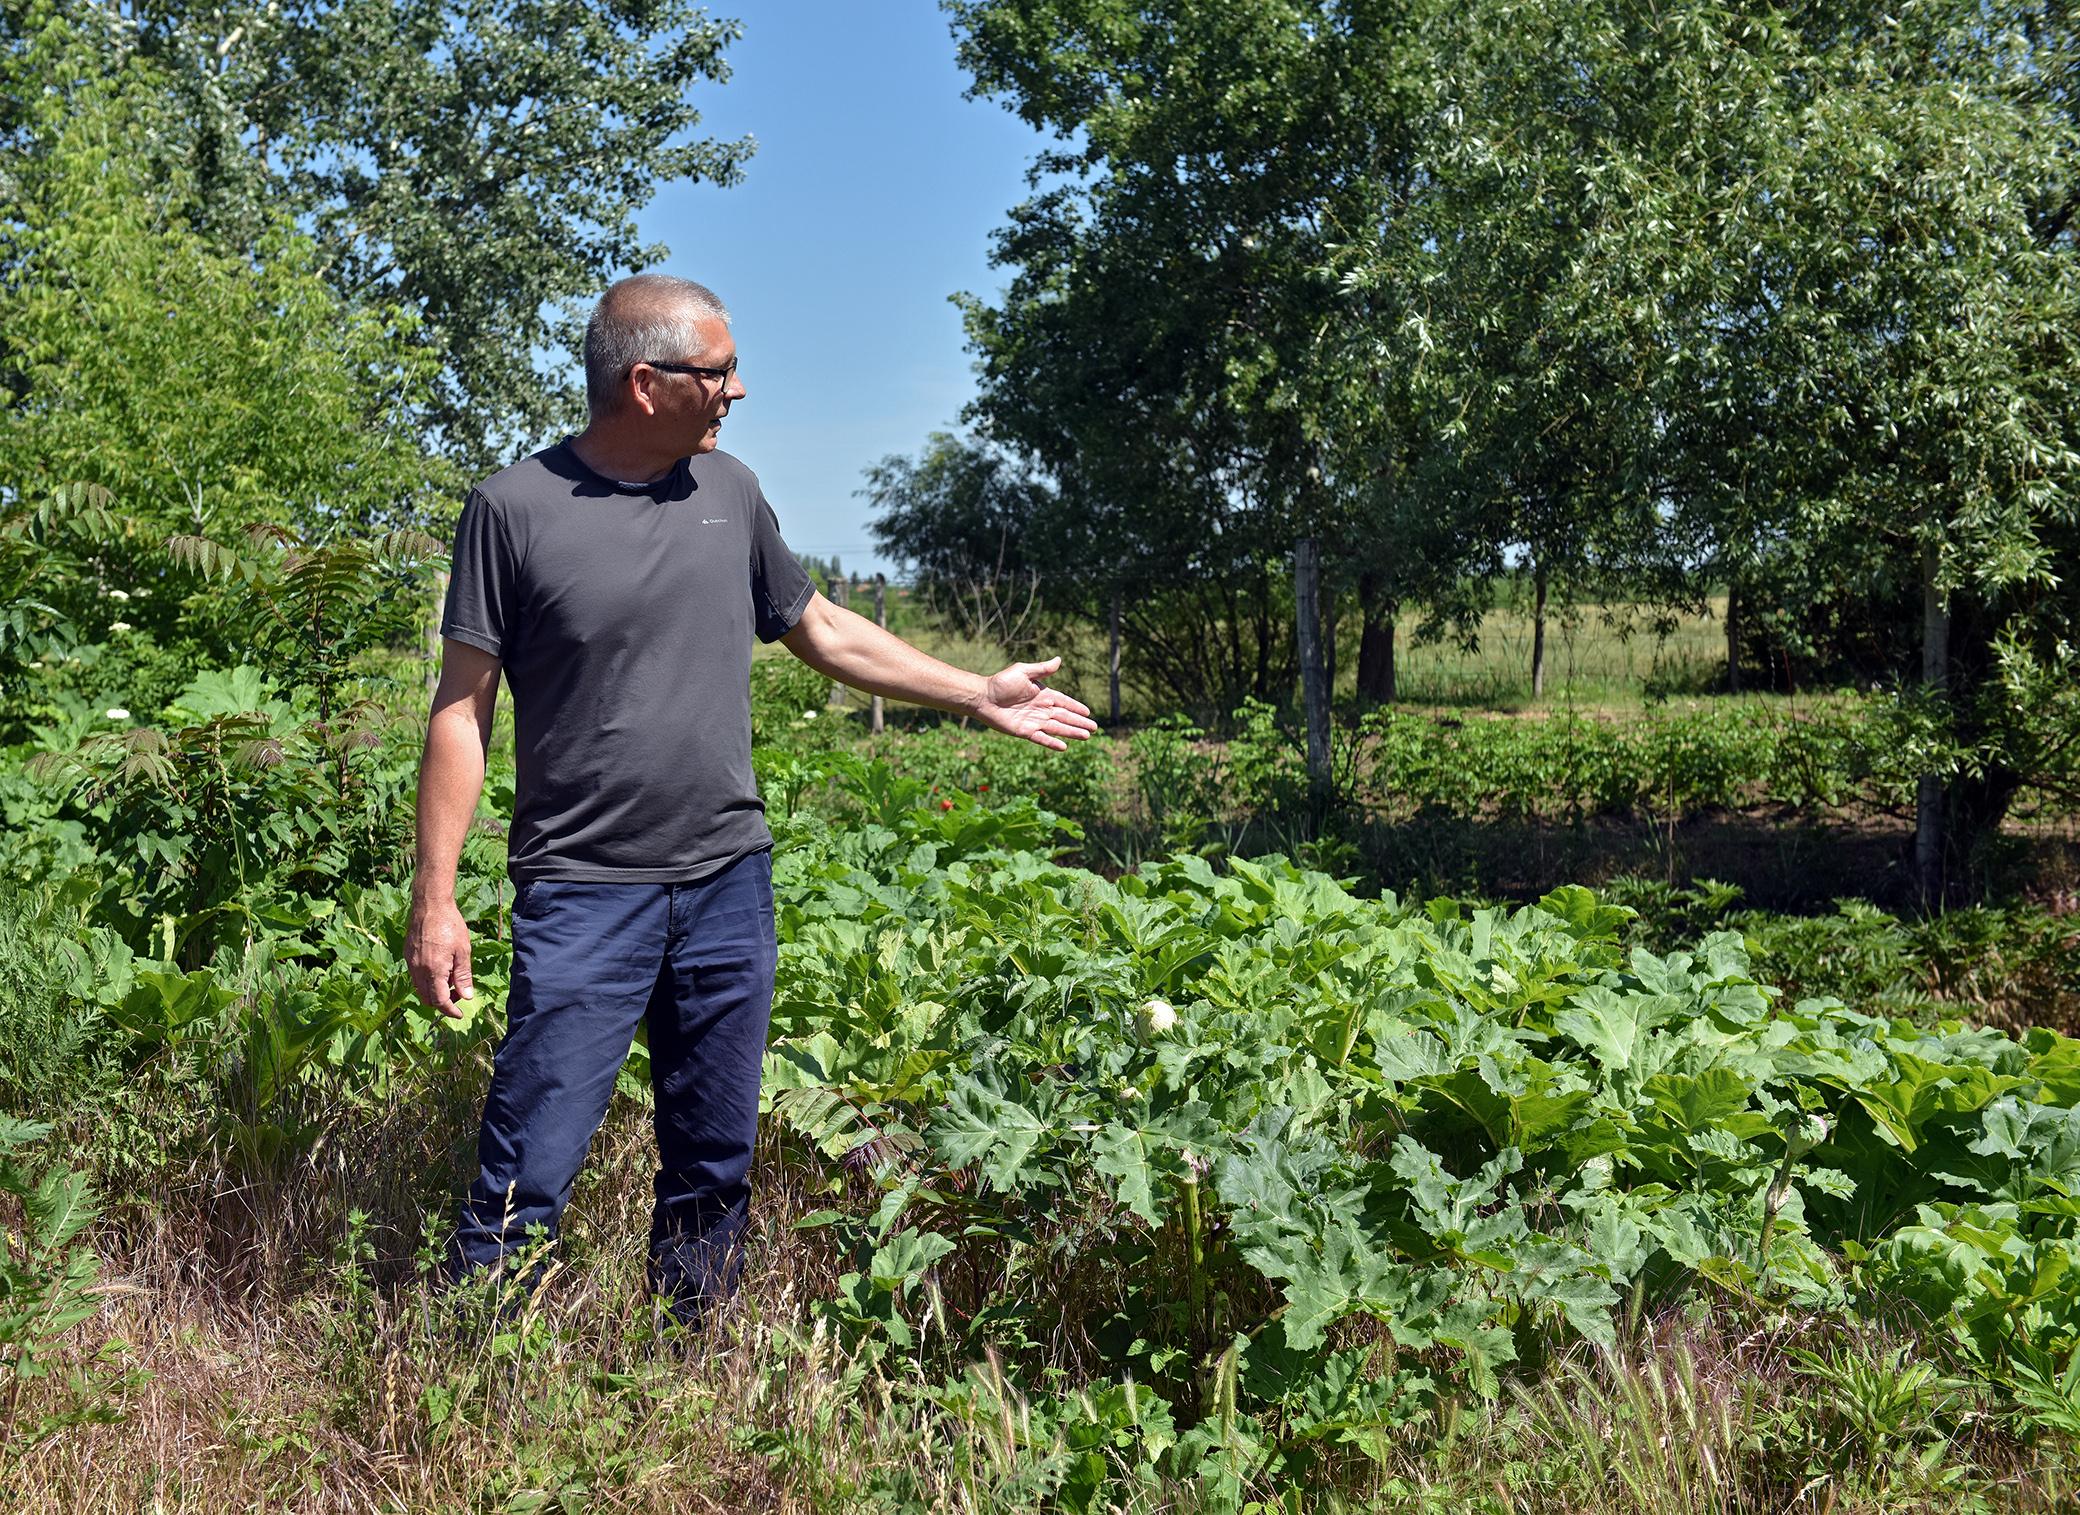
(1282, 1166)
(236, 788)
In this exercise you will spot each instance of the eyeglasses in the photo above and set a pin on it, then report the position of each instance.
(721, 376)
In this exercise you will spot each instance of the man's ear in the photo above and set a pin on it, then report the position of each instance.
(641, 382)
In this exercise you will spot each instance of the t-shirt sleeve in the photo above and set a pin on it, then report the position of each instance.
(780, 589)
(481, 580)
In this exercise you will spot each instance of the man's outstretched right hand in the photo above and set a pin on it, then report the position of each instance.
(436, 948)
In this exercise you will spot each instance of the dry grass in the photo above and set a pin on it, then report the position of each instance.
(258, 1347)
(274, 1334)
(1595, 654)
(1710, 1412)
(261, 1347)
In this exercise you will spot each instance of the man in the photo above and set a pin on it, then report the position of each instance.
(617, 579)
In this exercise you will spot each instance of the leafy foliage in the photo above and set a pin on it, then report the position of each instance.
(1489, 1132)
(205, 388)
(316, 607)
(1635, 303)
(962, 517)
(34, 546)
(474, 164)
(46, 1270)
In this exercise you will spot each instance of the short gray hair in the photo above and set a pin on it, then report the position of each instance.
(649, 318)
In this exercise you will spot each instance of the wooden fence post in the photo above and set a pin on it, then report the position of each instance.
(880, 619)
(841, 594)
(1314, 682)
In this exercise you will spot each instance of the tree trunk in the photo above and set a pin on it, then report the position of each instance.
(1538, 636)
(1112, 664)
(841, 595)
(1935, 675)
(874, 716)
(1376, 661)
(1375, 643)
(1314, 683)
(1974, 803)
(1262, 686)
(1733, 638)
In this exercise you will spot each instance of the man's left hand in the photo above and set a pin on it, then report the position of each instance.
(1018, 702)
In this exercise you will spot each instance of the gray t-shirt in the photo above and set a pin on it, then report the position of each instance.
(623, 615)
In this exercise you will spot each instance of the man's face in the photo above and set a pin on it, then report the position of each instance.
(688, 407)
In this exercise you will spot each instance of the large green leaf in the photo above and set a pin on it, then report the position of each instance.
(1609, 1025)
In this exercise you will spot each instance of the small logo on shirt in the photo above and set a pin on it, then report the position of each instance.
(714, 520)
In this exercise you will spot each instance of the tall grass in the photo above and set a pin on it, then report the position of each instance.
(275, 1334)
(1607, 657)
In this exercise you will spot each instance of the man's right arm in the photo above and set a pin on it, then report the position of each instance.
(451, 776)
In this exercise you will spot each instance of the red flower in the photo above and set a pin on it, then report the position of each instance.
(946, 804)
(982, 788)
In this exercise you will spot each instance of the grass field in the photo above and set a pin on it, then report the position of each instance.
(1595, 655)
(1605, 657)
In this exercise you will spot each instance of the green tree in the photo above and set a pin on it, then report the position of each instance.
(967, 520)
(1642, 302)
(205, 391)
(1164, 349)
(1937, 329)
(1812, 275)
(1533, 322)
(476, 163)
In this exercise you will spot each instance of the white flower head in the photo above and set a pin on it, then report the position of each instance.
(120, 626)
(1155, 1017)
(119, 594)
(116, 713)
(808, 715)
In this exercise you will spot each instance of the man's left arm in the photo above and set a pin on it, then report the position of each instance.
(848, 647)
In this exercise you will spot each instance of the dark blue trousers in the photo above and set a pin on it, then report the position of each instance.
(695, 961)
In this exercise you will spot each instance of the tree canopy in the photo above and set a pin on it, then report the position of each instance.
(474, 164)
(158, 384)
(1645, 305)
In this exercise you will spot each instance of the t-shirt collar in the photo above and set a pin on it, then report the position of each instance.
(666, 481)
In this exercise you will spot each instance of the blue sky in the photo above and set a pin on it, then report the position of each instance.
(869, 201)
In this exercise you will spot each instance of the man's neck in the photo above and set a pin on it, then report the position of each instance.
(614, 455)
